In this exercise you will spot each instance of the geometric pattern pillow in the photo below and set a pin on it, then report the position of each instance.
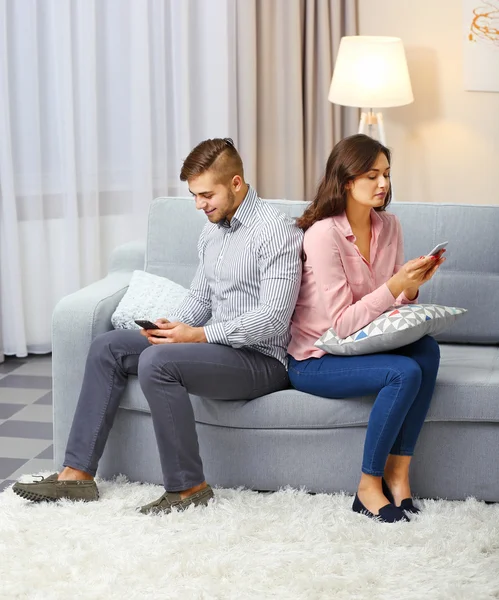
(397, 327)
(148, 297)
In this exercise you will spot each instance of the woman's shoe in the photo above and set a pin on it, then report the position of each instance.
(407, 504)
(386, 514)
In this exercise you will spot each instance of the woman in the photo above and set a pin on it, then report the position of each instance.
(353, 272)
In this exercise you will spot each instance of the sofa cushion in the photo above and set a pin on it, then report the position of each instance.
(399, 326)
(148, 297)
(467, 390)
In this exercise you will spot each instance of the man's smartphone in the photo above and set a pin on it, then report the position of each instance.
(437, 249)
(145, 324)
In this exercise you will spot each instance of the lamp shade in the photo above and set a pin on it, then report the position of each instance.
(371, 72)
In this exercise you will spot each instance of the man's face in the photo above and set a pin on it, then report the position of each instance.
(217, 200)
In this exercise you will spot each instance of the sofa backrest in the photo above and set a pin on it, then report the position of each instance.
(174, 226)
(469, 278)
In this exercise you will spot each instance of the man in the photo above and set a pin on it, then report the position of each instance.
(247, 281)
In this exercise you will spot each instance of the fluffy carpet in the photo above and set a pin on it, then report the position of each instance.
(244, 545)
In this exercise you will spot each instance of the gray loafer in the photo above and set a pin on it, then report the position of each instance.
(49, 489)
(171, 500)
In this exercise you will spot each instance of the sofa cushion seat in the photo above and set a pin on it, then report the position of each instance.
(467, 390)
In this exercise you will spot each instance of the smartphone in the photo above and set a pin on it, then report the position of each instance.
(437, 249)
(145, 324)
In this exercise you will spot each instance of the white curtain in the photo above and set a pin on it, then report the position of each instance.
(101, 100)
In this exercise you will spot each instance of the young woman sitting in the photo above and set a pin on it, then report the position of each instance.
(353, 271)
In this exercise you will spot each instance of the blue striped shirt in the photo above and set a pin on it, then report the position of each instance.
(247, 280)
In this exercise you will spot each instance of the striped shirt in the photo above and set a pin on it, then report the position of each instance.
(247, 280)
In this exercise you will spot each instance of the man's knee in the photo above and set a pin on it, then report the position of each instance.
(157, 361)
(103, 341)
(112, 341)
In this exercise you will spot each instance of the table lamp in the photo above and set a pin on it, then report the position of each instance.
(371, 72)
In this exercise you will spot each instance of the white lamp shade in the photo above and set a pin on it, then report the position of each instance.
(371, 72)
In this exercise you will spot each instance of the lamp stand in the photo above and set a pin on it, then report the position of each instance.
(372, 120)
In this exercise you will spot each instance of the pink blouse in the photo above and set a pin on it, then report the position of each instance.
(339, 288)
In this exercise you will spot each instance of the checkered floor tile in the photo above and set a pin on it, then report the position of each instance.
(25, 417)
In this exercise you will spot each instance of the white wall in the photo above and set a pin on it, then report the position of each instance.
(446, 144)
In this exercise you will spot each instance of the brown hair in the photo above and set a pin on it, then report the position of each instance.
(351, 157)
(217, 155)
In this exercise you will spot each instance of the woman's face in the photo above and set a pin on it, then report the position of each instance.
(370, 189)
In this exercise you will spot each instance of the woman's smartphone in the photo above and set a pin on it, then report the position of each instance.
(437, 249)
(145, 324)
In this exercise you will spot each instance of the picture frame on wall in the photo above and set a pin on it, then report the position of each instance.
(481, 45)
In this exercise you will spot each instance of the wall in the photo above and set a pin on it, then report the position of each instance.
(446, 144)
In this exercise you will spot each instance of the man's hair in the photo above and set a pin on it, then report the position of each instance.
(217, 155)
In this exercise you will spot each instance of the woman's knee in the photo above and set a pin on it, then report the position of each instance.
(428, 356)
(405, 371)
(431, 346)
(428, 347)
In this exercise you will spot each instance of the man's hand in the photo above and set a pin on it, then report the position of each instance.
(148, 332)
(174, 333)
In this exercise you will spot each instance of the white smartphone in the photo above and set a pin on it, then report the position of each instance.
(437, 249)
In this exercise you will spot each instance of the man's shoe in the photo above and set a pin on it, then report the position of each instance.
(407, 504)
(386, 514)
(49, 489)
(171, 500)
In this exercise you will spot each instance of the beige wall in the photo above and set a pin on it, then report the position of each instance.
(446, 144)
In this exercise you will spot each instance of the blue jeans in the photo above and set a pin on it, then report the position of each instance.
(403, 379)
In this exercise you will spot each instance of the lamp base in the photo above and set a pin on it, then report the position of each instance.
(371, 120)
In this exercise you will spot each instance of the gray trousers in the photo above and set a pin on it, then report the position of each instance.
(167, 374)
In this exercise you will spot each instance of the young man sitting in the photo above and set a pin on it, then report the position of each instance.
(247, 281)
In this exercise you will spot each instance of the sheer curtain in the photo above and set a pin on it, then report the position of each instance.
(100, 101)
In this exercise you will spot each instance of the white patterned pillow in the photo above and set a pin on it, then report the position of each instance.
(397, 327)
(148, 297)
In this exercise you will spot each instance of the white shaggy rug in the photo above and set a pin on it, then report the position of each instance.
(244, 545)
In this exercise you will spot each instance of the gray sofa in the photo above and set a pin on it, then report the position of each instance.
(292, 438)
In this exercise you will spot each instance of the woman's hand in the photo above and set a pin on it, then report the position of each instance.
(438, 260)
(414, 274)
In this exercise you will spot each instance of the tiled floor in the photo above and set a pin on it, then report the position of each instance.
(25, 417)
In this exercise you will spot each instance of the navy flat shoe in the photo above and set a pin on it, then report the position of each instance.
(386, 514)
(406, 504)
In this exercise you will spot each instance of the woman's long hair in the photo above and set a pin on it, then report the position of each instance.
(351, 157)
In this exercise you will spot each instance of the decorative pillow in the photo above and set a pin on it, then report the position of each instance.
(148, 297)
(397, 327)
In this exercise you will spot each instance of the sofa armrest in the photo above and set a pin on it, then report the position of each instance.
(77, 319)
(128, 257)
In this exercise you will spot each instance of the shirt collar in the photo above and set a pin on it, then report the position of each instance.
(343, 224)
(245, 212)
